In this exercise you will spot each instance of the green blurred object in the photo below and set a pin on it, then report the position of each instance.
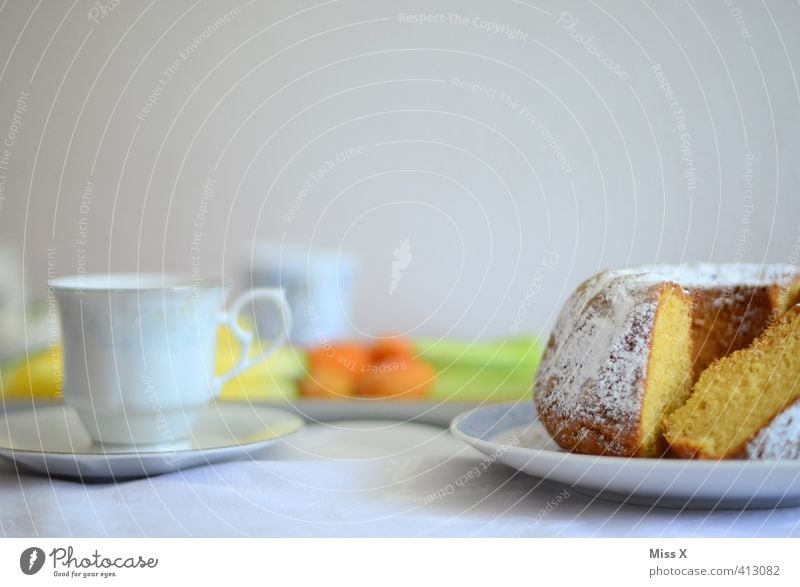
(482, 371)
(465, 384)
(509, 353)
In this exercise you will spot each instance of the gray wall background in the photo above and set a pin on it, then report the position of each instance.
(518, 146)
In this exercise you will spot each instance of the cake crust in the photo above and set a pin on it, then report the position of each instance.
(590, 386)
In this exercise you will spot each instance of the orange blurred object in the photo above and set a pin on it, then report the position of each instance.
(385, 369)
(350, 358)
(403, 379)
(326, 383)
(398, 348)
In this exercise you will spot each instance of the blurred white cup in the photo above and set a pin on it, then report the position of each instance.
(320, 287)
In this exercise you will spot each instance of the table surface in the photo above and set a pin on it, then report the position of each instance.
(352, 479)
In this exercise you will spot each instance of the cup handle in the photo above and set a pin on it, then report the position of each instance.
(246, 337)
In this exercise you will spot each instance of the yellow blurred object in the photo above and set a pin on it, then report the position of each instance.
(41, 377)
(275, 378)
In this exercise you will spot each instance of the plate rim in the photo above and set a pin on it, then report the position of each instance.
(297, 424)
(671, 463)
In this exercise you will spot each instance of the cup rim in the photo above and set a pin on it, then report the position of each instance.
(132, 282)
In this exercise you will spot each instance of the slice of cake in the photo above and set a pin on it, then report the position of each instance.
(746, 405)
(733, 302)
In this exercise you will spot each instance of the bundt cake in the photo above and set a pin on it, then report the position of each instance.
(628, 343)
(746, 405)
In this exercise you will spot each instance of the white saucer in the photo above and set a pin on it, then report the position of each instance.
(51, 440)
(512, 434)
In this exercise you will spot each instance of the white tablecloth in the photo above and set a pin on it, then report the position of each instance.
(351, 479)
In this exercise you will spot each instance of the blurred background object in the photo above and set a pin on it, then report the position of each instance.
(479, 160)
(456, 154)
(388, 368)
(320, 286)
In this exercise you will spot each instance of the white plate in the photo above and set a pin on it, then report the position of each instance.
(510, 433)
(422, 412)
(51, 440)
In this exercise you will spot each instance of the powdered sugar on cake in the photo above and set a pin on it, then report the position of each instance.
(780, 439)
(603, 355)
(721, 276)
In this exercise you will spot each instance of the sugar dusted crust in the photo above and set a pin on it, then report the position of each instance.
(733, 303)
(590, 386)
(718, 276)
(589, 390)
(780, 439)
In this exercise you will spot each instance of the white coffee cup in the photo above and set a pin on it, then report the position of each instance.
(139, 351)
